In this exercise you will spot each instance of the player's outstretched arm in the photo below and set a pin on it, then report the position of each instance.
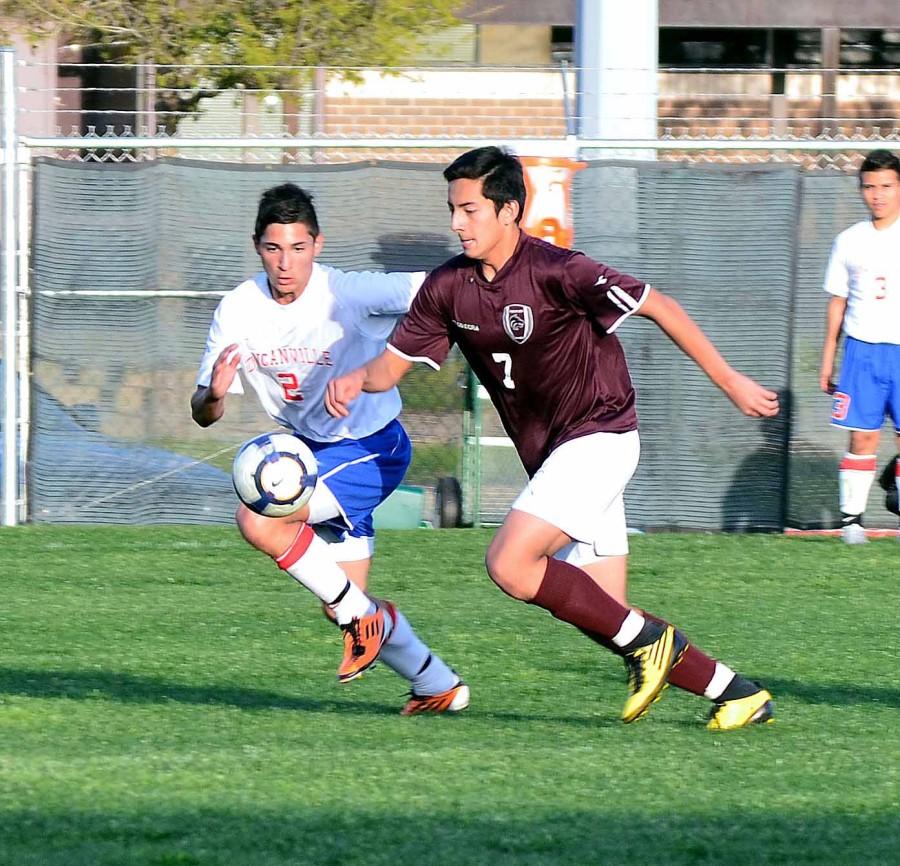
(380, 374)
(834, 319)
(208, 402)
(749, 396)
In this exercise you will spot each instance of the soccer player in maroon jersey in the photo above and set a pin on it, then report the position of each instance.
(537, 324)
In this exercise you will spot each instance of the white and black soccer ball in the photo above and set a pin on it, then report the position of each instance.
(274, 474)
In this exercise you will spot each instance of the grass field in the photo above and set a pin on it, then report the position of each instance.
(167, 697)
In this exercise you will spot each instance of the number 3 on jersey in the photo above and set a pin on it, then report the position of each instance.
(290, 387)
(506, 359)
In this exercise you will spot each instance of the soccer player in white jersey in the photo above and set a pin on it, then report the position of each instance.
(289, 329)
(863, 279)
(537, 323)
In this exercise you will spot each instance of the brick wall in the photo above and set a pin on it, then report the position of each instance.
(444, 117)
(753, 116)
(539, 118)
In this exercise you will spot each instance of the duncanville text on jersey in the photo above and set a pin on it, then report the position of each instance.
(288, 355)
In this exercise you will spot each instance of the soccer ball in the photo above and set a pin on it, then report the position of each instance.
(274, 474)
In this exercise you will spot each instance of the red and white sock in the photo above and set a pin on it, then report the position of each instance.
(855, 476)
(897, 475)
(309, 561)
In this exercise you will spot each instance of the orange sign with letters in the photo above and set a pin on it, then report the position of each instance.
(548, 206)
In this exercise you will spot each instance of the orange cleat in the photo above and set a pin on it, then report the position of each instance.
(363, 639)
(451, 701)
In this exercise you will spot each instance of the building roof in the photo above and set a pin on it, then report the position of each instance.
(562, 12)
(702, 13)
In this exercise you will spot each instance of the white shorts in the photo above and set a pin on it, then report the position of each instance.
(580, 489)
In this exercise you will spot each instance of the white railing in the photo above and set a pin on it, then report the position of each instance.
(10, 486)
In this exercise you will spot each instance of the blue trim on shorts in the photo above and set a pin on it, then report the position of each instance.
(869, 386)
(361, 474)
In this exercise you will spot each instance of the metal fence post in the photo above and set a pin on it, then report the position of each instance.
(10, 401)
(471, 454)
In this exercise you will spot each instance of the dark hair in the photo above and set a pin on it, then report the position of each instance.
(499, 171)
(879, 160)
(286, 204)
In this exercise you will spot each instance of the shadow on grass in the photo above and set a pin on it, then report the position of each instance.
(127, 688)
(471, 835)
(832, 694)
(84, 685)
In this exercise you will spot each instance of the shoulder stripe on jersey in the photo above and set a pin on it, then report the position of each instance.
(621, 299)
(626, 303)
(414, 358)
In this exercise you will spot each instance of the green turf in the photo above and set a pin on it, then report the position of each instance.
(168, 697)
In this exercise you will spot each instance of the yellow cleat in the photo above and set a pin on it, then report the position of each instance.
(648, 666)
(755, 709)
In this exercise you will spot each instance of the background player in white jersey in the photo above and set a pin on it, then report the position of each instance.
(289, 329)
(537, 322)
(863, 279)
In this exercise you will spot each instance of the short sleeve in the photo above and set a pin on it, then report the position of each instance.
(607, 295)
(377, 299)
(424, 334)
(216, 340)
(837, 279)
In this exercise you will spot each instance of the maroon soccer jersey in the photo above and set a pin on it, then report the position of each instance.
(539, 336)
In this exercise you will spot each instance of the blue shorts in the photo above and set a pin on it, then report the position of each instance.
(869, 388)
(361, 474)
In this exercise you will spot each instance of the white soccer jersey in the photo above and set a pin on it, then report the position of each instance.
(289, 352)
(864, 268)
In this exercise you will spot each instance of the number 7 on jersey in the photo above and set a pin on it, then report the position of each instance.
(506, 359)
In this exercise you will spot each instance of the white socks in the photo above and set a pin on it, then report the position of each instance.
(721, 678)
(405, 653)
(309, 561)
(629, 629)
(855, 477)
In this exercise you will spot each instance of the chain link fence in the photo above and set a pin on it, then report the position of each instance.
(331, 112)
(136, 224)
(130, 260)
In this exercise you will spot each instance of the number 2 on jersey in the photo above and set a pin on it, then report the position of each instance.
(290, 387)
(506, 359)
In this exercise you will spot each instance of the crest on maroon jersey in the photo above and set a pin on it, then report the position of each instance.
(518, 322)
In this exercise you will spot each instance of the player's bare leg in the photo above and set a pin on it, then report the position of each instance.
(855, 476)
(520, 561)
(611, 573)
(516, 557)
(695, 671)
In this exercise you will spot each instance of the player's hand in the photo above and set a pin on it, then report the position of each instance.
(751, 397)
(826, 383)
(342, 391)
(224, 370)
